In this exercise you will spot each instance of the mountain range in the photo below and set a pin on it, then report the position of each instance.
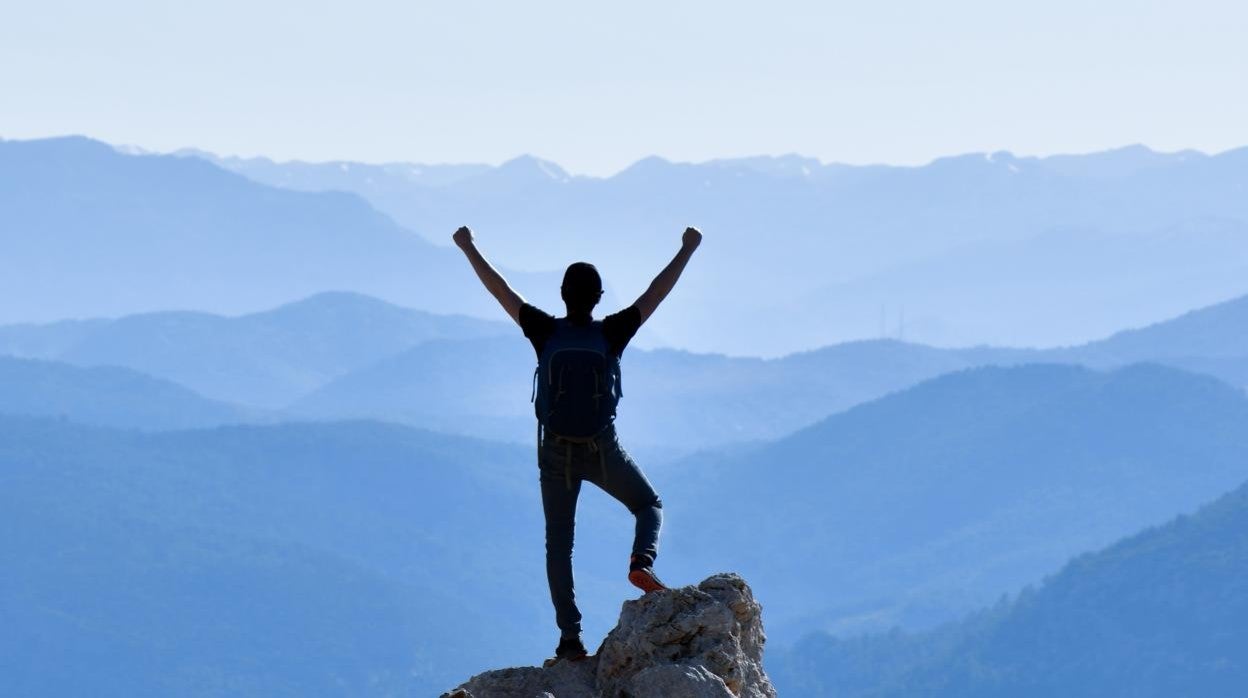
(168, 530)
(972, 249)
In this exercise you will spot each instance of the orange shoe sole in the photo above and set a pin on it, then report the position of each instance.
(645, 581)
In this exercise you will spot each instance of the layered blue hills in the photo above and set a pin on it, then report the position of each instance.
(343, 355)
(373, 558)
(976, 248)
(973, 249)
(917, 507)
(680, 400)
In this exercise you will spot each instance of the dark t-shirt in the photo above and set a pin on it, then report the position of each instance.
(619, 327)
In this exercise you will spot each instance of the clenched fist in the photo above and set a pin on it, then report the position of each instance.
(692, 237)
(463, 236)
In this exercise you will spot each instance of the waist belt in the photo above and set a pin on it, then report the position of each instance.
(591, 441)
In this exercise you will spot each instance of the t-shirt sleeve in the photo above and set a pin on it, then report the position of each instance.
(537, 325)
(620, 327)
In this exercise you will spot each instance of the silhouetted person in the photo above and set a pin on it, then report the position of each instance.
(576, 388)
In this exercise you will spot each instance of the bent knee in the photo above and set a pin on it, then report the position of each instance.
(651, 503)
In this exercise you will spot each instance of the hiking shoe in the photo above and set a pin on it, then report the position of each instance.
(641, 576)
(570, 648)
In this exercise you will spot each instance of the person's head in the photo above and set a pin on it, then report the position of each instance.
(581, 289)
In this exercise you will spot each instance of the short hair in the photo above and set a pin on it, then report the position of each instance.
(582, 287)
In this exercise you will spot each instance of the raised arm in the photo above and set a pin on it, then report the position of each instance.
(663, 283)
(493, 281)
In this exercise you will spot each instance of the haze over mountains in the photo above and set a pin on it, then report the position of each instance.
(977, 248)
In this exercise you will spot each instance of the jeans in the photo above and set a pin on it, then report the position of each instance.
(563, 466)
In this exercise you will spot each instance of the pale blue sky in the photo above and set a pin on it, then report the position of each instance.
(596, 86)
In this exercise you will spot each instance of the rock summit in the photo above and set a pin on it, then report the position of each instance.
(703, 641)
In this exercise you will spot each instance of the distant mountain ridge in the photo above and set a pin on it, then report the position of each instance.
(346, 175)
(1215, 331)
(340, 175)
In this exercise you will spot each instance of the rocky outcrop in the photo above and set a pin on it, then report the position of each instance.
(703, 641)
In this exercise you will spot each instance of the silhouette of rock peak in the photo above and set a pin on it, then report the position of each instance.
(530, 166)
(703, 641)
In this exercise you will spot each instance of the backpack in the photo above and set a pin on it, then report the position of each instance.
(576, 386)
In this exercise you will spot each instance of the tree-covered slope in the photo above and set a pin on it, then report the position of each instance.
(1162, 613)
(343, 559)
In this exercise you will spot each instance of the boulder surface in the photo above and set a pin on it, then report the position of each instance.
(703, 641)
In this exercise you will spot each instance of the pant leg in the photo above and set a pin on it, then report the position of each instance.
(559, 507)
(626, 483)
